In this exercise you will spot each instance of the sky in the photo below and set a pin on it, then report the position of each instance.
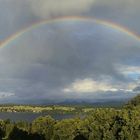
(69, 50)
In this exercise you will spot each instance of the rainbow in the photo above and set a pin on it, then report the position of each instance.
(73, 18)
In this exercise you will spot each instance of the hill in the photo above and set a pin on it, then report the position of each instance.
(135, 102)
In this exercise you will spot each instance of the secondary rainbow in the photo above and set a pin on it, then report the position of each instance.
(73, 18)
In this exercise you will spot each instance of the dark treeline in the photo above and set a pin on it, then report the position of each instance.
(100, 124)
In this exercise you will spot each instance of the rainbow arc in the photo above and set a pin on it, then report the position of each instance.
(73, 18)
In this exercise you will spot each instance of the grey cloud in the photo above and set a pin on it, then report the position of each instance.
(17, 14)
(123, 12)
(51, 8)
(43, 61)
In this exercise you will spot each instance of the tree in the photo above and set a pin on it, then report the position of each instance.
(18, 134)
(43, 125)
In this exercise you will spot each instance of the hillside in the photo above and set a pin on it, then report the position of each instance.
(135, 102)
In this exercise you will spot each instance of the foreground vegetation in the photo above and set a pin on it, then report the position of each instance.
(99, 124)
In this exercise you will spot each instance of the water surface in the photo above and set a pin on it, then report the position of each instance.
(29, 116)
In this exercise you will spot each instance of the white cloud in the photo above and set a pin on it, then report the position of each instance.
(6, 94)
(127, 69)
(89, 85)
(132, 72)
(102, 86)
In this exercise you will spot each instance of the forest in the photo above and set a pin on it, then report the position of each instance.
(100, 124)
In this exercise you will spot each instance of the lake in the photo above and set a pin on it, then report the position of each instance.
(29, 116)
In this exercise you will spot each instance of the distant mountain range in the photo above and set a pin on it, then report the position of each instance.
(96, 103)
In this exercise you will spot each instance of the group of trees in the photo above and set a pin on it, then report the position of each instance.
(100, 124)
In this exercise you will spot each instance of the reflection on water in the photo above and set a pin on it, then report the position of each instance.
(26, 116)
